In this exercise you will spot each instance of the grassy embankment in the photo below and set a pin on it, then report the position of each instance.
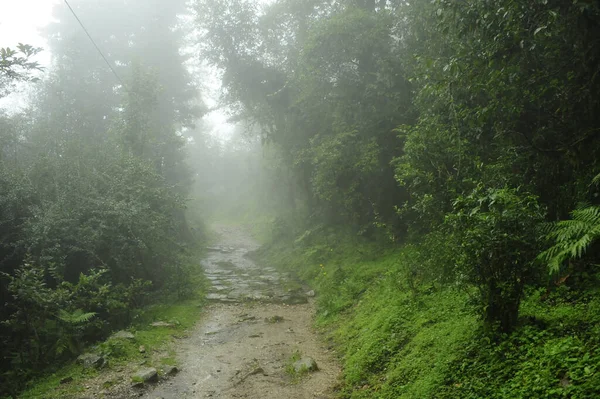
(400, 334)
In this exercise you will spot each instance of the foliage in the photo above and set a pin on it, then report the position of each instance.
(93, 185)
(572, 237)
(16, 65)
(401, 337)
(182, 315)
(496, 248)
(72, 324)
(444, 132)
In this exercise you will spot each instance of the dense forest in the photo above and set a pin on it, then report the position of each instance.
(430, 167)
(93, 181)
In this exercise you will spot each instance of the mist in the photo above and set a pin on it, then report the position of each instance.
(420, 179)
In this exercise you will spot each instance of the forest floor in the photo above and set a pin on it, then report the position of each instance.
(258, 323)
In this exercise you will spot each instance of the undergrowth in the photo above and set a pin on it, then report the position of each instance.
(403, 334)
(178, 315)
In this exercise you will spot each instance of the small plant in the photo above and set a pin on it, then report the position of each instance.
(137, 380)
(71, 326)
(291, 368)
(274, 319)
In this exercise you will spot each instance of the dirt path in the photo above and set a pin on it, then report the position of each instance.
(258, 320)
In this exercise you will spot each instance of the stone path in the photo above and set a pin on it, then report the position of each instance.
(259, 321)
(235, 278)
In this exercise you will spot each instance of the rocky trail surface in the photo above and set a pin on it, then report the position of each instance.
(250, 335)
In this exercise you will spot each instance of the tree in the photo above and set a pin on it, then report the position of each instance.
(93, 184)
(16, 66)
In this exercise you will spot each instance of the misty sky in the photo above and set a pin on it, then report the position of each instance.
(20, 22)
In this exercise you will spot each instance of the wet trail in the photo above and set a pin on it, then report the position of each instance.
(249, 333)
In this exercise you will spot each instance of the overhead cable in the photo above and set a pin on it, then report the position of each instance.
(95, 45)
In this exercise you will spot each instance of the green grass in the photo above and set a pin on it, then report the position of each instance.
(182, 315)
(291, 371)
(403, 335)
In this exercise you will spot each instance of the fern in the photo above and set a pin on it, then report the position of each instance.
(70, 330)
(572, 237)
(596, 180)
(77, 317)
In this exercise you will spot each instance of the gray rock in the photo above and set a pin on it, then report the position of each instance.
(91, 360)
(305, 364)
(146, 375)
(310, 293)
(161, 324)
(216, 297)
(170, 370)
(294, 299)
(122, 335)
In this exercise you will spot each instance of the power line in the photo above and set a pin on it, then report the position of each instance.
(95, 45)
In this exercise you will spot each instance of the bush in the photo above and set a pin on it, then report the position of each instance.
(496, 246)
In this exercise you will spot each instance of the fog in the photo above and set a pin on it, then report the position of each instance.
(404, 153)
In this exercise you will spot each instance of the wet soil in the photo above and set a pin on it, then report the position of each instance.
(258, 320)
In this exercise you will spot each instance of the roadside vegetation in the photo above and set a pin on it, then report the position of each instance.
(96, 235)
(436, 167)
(150, 345)
(430, 167)
(401, 332)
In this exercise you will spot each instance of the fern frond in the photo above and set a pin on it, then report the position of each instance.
(596, 180)
(77, 317)
(61, 344)
(589, 215)
(571, 237)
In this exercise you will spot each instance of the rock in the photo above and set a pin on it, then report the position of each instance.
(122, 335)
(305, 364)
(310, 293)
(274, 319)
(255, 371)
(246, 317)
(170, 370)
(146, 375)
(142, 349)
(294, 299)
(212, 296)
(91, 360)
(161, 324)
